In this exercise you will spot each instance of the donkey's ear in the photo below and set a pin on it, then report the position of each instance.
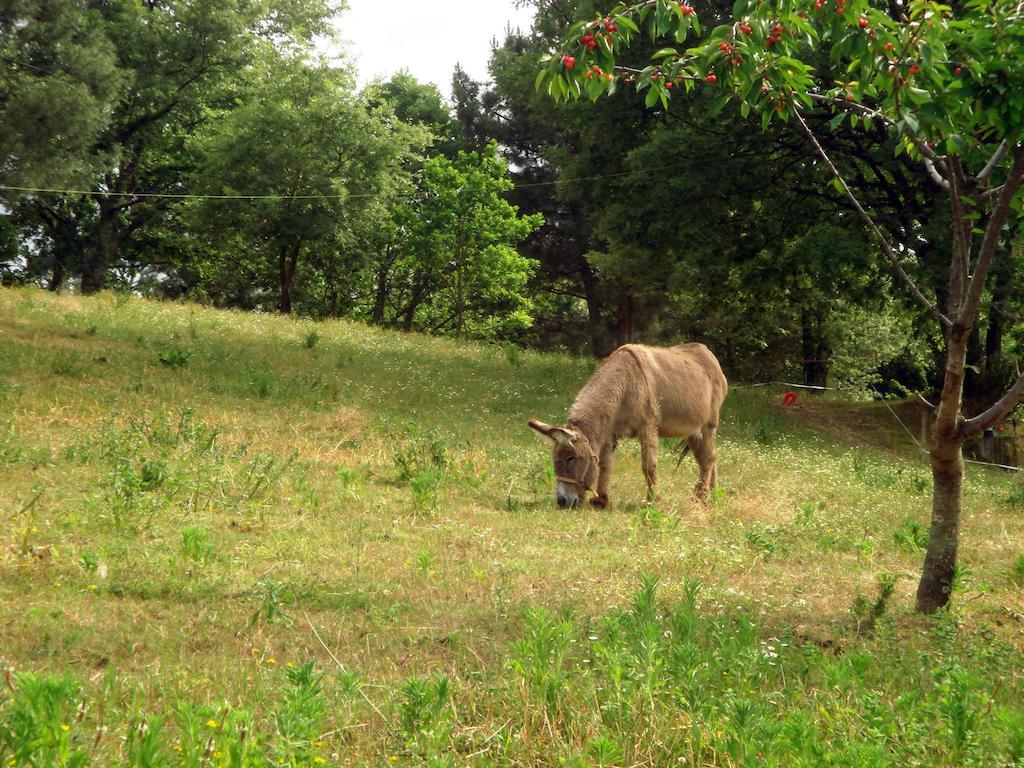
(558, 434)
(541, 427)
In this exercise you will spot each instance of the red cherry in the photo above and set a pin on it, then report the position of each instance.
(686, 9)
(863, 22)
(770, 41)
(889, 46)
(569, 62)
(711, 78)
(914, 69)
(957, 71)
(668, 85)
(611, 28)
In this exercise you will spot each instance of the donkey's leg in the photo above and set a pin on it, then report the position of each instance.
(711, 437)
(706, 453)
(604, 477)
(649, 462)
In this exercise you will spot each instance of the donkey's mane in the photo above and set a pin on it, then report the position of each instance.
(598, 402)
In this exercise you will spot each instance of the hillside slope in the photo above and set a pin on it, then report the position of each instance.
(193, 500)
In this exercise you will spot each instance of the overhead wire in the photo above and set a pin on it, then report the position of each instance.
(338, 196)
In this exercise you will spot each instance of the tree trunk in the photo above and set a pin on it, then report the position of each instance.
(816, 350)
(974, 379)
(99, 259)
(936, 585)
(409, 315)
(624, 330)
(287, 263)
(60, 258)
(598, 337)
(382, 291)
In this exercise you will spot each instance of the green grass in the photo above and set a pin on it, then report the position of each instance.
(195, 505)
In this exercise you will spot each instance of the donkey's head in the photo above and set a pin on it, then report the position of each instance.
(575, 463)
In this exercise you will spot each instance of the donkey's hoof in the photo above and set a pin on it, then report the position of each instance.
(600, 502)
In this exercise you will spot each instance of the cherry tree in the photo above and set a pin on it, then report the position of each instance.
(947, 85)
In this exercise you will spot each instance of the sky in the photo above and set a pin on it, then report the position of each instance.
(426, 37)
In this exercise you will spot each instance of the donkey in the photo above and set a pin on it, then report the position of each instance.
(643, 392)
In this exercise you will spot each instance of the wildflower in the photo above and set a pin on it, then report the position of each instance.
(65, 728)
(319, 760)
(271, 660)
(211, 723)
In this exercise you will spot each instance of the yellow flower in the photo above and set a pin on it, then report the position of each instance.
(65, 728)
(319, 760)
(211, 723)
(271, 660)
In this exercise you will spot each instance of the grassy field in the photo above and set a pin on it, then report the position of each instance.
(240, 540)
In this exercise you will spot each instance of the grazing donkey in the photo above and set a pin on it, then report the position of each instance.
(643, 392)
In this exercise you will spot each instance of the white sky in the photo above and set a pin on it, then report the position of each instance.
(426, 37)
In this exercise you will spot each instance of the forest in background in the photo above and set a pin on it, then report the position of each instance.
(503, 216)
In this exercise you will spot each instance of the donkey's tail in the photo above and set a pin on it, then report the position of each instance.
(684, 448)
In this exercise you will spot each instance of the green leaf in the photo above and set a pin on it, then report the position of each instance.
(628, 23)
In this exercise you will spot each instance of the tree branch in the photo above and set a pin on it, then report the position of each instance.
(886, 248)
(1003, 406)
(993, 162)
(934, 175)
(961, 258)
(992, 233)
(930, 155)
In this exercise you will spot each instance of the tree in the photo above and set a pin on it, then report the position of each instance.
(181, 56)
(302, 135)
(947, 85)
(459, 271)
(60, 78)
